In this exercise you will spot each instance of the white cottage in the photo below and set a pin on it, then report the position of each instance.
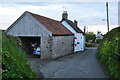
(79, 36)
(99, 35)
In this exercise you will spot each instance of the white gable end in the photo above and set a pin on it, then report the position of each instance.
(68, 27)
(79, 42)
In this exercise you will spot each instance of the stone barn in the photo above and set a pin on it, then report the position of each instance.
(54, 39)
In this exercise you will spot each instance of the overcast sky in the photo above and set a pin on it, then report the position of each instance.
(89, 14)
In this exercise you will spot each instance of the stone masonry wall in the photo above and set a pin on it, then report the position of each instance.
(62, 45)
(46, 49)
(56, 46)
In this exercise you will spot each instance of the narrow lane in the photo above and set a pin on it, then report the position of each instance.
(79, 65)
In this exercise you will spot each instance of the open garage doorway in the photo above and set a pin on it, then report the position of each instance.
(29, 43)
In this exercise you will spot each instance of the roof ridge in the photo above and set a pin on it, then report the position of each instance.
(42, 16)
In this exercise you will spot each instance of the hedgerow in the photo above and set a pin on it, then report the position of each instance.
(98, 40)
(14, 62)
(109, 52)
(88, 44)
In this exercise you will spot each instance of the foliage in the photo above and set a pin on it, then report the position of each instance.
(14, 62)
(0, 66)
(109, 52)
(90, 36)
(98, 40)
(88, 44)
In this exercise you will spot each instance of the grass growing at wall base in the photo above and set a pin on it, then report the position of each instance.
(109, 53)
(14, 63)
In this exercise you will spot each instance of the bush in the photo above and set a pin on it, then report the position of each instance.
(14, 62)
(87, 44)
(109, 52)
(98, 40)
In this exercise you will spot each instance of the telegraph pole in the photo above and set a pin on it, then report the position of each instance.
(107, 16)
(84, 29)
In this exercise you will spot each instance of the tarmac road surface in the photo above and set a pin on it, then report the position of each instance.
(78, 65)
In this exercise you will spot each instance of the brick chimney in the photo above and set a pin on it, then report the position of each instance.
(75, 22)
(64, 15)
(98, 32)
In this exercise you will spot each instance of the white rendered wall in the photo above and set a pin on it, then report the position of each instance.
(80, 38)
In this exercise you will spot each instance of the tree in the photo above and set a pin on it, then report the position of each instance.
(90, 37)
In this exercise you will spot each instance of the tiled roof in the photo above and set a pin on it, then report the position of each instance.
(52, 25)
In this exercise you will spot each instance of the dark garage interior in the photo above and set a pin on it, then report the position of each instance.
(27, 43)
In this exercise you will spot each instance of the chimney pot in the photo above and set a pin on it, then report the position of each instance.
(75, 22)
(64, 15)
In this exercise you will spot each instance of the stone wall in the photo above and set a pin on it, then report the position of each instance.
(46, 47)
(56, 46)
(62, 45)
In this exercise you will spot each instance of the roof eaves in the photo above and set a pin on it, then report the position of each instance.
(62, 34)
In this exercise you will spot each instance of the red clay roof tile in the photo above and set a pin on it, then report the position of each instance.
(52, 25)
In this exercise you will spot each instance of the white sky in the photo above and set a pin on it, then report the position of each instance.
(89, 14)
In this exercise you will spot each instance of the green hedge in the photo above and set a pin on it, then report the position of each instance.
(87, 44)
(98, 40)
(109, 52)
(14, 60)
